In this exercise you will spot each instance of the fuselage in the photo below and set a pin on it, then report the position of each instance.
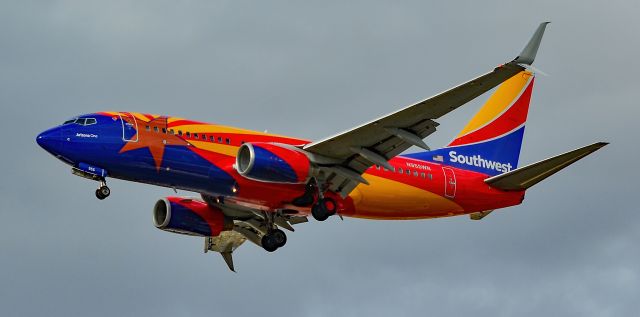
(201, 157)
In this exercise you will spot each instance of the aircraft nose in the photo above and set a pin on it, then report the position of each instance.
(51, 140)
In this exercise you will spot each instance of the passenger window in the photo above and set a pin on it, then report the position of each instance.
(408, 172)
(423, 175)
(164, 130)
(212, 138)
(188, 134)
(228, 141)
(219, 139)
(430, 176)
(155, 129)
(148, 128)
(204, 137)
(415, 173)
(180, 132)
(400, 170)
(195, 135)
(171, 132)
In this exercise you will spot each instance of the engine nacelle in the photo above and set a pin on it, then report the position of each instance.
(188, 216)
(271, 162)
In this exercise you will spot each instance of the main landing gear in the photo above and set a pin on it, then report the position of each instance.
(323, 209)
(103, 191)
(274, 238)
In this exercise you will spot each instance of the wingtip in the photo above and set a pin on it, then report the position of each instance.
(596, 146)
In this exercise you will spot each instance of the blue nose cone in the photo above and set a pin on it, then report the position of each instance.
(51, 140)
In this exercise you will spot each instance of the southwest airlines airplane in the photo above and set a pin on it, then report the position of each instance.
(252, 184)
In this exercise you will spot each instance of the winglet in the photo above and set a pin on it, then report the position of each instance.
(528, 54)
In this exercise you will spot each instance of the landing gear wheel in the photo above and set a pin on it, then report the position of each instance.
(325, 208)
(319, 213)
(103, 192)
(269, 243)
(330, 205)
(273, 240)
(99, 194)
(280, 237)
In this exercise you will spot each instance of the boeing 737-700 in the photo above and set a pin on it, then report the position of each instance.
(251, 185)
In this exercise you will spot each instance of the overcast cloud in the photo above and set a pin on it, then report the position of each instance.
(310, 71)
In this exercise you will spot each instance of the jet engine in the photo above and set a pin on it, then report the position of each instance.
(271, 162)
(188, 216)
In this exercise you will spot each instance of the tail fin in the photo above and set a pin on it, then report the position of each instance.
(491, 141)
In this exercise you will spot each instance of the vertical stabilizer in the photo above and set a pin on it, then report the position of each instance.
(490, 143)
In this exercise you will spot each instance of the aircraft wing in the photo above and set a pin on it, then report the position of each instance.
(350, 153)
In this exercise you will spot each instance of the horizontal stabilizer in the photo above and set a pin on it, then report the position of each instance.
(527, 176)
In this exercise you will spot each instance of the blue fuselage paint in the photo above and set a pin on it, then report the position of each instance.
(99, 145)
(490, 157)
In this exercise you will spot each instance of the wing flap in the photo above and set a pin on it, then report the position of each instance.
(527, 176)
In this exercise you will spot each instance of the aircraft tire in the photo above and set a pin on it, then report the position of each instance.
(104, 191)
(319, 212)
(269, 243)
(280, 237)
(324, 209)
(99, 195)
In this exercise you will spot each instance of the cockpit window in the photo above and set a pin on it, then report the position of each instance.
(81, 121)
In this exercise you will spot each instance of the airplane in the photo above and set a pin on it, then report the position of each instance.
(251, 185)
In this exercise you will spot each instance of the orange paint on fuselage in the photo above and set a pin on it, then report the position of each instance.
(421, 192)
(415, 189)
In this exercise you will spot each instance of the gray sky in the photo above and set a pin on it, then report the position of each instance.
(310, 71)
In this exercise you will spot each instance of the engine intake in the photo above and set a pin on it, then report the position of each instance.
(188, 216)
(271, 162)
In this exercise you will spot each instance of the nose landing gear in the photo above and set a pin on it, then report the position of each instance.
(95, 174)
(103, 191)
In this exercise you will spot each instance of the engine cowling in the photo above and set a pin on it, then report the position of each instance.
(188, 216)
(271, 162)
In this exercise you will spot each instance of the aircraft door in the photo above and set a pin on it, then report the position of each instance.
(449, 182)
(129, 127)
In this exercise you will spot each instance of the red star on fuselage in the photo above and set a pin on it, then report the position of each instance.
(153, 135)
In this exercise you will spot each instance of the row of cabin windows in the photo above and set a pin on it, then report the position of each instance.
(191, 135)
(407, 171)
